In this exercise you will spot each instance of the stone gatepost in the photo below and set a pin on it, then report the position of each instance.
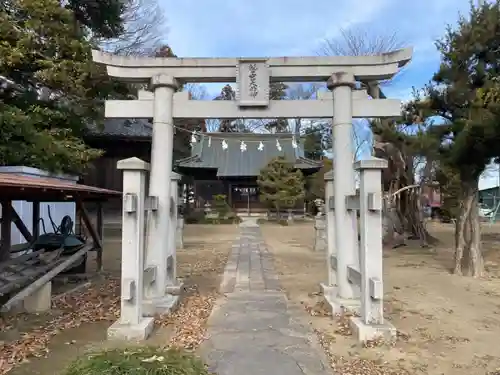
(132, 325)
(179, 237)
(345, 295)
(165, 273)
(371, 323)
(329, 289)
(342, 84)
(158, 243)
(172, 228)
(320, 240)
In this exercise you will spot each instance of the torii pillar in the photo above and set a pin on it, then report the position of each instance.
(156, 298)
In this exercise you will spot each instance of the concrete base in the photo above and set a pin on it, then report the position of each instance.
(339, 306)
(160, 306)
(136, 332)
(39, 301)
(365, 332)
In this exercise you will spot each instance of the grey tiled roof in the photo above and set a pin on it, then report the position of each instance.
(123, 128)
(137, 128)
(208, 153)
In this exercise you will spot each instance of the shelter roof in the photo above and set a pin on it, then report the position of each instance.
(17, 187)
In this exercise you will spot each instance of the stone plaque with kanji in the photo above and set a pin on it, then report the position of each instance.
(252, 79)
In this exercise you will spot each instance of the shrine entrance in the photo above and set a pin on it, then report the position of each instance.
(346, 78)
(246, 198)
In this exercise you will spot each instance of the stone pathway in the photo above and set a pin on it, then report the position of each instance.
(253, 330)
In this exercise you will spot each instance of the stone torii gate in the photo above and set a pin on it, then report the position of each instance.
(253, 76)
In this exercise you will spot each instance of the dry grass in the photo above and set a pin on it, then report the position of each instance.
(201, 265)
(43, 346)
(447, 324)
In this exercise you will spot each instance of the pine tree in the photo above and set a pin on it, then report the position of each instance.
(50, 85)
(280, 185)
(277, 91)
(465, 94)
(227, 125)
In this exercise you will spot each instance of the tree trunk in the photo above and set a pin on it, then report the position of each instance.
(468, 254)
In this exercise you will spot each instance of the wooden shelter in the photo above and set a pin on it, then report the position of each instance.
(24, 271)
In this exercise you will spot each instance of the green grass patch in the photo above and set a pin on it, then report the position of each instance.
(138, 361)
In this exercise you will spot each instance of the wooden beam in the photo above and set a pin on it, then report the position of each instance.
(36, 219)
(93, 232)
(100, 234)
(45, 278)
(20, 226)
(21, 258)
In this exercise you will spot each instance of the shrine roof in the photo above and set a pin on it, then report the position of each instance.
(122, 128)
(208, 153)
(127, 128)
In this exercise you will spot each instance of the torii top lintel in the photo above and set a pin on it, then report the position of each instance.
(284, 69)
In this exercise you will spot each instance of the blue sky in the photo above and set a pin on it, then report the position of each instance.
(224, 28)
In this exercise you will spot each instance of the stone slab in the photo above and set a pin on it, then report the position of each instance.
(160, 306)
(40, 300)
(365, 332)
(339, 306)
(255, 331)
(131, 332)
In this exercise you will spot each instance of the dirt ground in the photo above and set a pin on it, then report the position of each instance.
(447, 324)
(44, 344)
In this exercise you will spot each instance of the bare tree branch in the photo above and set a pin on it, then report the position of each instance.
(145, 29)
(301, 92)
(196, 91)
(358, 41)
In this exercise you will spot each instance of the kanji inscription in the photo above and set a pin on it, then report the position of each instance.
(253, 83)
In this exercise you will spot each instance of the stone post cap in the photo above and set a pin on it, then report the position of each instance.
(341, 79)
(371, 163)
(328, 176)
(175, 176)
(132, 164)
(163, 80)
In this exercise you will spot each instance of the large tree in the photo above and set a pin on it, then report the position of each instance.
(316, 140)
(227, 125)
(316, 182)
(465, 96)
(388, 139)
(277, 91)
(50, 83)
